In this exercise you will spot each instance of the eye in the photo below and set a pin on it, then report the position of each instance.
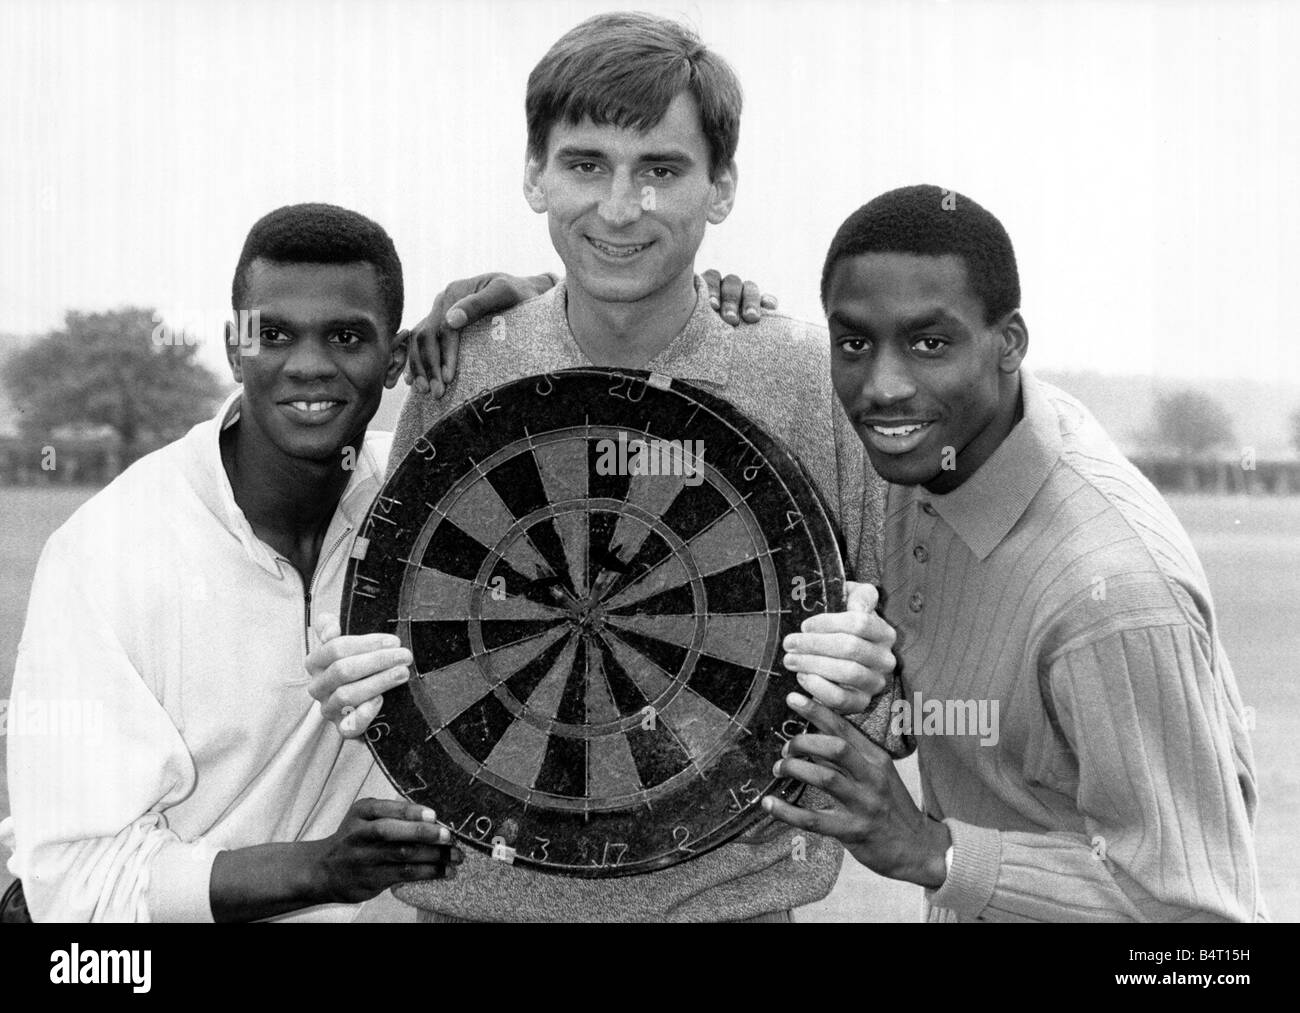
(272, 336)
(854, 345)
(347, 338)
(930, 344)
(585, 168)
(662, 172)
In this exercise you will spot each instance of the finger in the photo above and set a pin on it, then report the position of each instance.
(411, 831)
(848, 661)
(450, 355)
(338, 648)
(832, 724)
(833, 751)
(821, 776)
(407, 373)
(846, 645)
(346, 701)
(418, 350)
(862, 597)
(355, 721)
(849, 673)
(327, 627)
(391, 809)
(769, 302)
(398, 853)
(865, 627)
(342, 674)
(732, 287)
(749, 302)
(501, 293)
(840, 699)
(417, 873)
(714, 281)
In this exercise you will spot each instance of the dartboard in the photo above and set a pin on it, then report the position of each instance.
(594, 570)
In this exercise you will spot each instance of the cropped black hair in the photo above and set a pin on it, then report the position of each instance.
(322, 234)
(931, 221)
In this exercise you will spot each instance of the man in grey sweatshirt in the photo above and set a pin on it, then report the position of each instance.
(632, 131)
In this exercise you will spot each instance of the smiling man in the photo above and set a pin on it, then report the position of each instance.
(632, 131)
(1035, 576)
(176, 607)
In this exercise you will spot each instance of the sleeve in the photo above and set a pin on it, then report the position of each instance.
(419, 413)
(94, 763)
(1164, 792)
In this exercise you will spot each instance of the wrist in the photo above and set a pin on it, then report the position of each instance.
(309, 878)
(936, 861)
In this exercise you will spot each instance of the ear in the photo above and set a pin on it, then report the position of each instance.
(723, 197)
(1015, 342)
(233, 357)
(397, 358)
(534, 192)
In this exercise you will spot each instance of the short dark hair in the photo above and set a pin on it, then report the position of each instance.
(931, 221)
(322, 234)
(625, 69)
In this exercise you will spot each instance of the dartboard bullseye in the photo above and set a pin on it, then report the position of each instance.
(594, 570)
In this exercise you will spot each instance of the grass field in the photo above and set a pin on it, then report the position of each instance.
(1251, 551)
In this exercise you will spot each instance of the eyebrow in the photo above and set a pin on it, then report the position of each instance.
(926, 318)
(270, 319)
(670, 157)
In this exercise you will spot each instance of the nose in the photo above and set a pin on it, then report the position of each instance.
(622, 205)
(309, 359)
(888, 380)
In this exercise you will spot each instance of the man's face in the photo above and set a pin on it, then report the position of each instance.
(921, 375)
(325, 356)
(627, 210)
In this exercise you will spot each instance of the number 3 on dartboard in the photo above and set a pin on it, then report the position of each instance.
(543, 841)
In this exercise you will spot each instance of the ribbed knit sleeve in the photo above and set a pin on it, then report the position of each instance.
(1166, 800)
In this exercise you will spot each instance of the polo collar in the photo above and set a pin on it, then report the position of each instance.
(701, 352)
(351, 511)
(984, 508)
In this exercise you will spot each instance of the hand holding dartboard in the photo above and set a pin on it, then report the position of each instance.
(594, 570)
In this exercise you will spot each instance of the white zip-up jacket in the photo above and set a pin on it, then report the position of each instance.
(160, 711)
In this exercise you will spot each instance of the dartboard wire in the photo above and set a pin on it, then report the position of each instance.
(693, 655)
(475, 656)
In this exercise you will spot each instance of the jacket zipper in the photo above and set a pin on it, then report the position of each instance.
(309, 588)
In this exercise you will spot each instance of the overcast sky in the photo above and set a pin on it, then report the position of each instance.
(1143, 156)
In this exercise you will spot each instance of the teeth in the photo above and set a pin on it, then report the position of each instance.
(899, 430)
(616, 251)
(313, 406)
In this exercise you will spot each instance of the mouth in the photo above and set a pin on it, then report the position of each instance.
(312, 412)
(897, 437)
(619, 251)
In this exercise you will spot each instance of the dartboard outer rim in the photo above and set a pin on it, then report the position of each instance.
(823, 532)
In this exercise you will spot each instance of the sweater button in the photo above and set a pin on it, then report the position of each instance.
(916, 602)
(929, 509)
(921, 554)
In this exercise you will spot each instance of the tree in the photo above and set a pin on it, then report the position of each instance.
(105, 369)
(1192, 423)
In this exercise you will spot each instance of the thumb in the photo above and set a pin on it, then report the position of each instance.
(862, 597)
(327, 626)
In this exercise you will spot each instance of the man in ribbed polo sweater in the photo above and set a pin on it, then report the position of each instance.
(1081, 740)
